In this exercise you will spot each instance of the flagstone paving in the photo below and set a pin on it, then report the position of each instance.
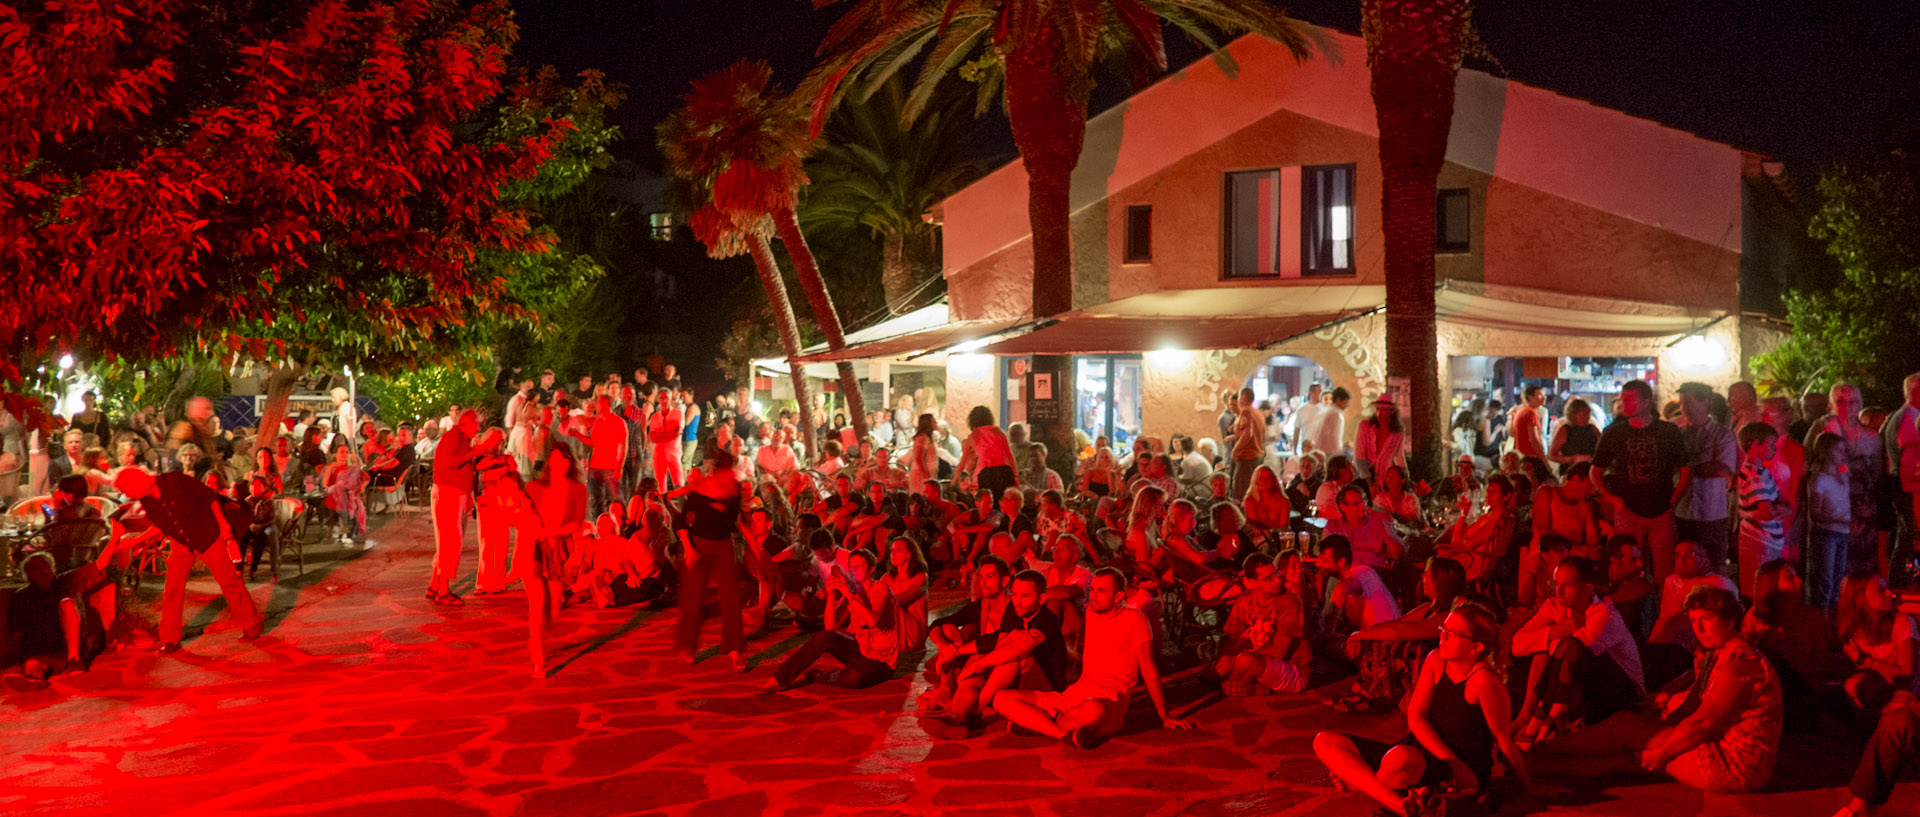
(365, 699)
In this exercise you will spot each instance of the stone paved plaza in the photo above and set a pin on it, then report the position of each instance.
(365, 699)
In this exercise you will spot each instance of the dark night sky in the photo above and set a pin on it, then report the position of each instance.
(1806, 82)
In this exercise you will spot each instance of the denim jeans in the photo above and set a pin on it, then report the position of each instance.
(603, 486)
(1827, 553)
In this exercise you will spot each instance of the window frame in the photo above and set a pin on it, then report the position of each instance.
(1440, 243)
(1307, 214)
(1226, 227)
(1127, 254)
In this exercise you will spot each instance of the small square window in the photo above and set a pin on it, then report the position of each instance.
(660, 226)
(1453, 221)
(1139, 233)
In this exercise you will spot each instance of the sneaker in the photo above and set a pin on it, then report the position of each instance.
(170, 648)
(1084, 738)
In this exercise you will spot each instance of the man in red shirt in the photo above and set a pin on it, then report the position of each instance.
(663, 432)
(607, 440)
(196, 519)
(454, 478)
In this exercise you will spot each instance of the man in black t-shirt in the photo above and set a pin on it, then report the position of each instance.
(1026, 651)
(199, 521)
(43, 628)
(1640, 472)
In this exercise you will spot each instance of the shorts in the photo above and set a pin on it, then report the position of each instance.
(1437, 773)
(1276, 674)
(1056, 704)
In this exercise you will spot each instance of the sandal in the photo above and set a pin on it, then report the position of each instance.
(739, 662)
(448, 600)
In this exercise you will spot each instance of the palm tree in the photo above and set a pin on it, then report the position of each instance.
(1038, 57)
(1414, 49)
(873, 177)
(743, 143)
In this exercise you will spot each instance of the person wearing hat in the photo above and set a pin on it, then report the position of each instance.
(1380, 442)
(195, 519)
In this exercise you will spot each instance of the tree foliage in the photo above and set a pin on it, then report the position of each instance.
(424, 393)
(344, 179)
(1863, 329)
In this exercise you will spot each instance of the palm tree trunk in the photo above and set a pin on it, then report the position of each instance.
(808, 271)
(279, 385)
(789, 331)
(1049, 119)
(1414, 49)
(906, 260)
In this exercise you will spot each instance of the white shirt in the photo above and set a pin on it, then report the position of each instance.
(1601, 629)
(514, 404)
(1327, 428)
(1365, 582)
(1110, 663)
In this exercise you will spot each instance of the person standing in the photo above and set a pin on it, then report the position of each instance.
(517, 404)
(1328, 430)
(1380, 443)
(1861, 448)
(988, 455)
(689, 431)
(1304, 418)
(712, 511)
(1640, 471)
(606, 439)
(1249, 442)
(664, 432)
(1713, 459)
(502, 507)
(1528, 427)
(200, 523)
(346, 416)
(560, 504)
(1900, 448)
(454, 476)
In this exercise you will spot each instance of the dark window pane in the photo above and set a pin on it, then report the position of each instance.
(1139, 233)
(1253, 221)
(1326, 209)
(1453, 221)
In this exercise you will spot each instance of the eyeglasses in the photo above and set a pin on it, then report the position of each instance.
(1446, 631)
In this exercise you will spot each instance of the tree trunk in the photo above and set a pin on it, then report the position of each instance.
(789, 332)
(1414, 49)
(906, 260)
(824, 313)
(279, 387)
(172, 406)
(1049, 118)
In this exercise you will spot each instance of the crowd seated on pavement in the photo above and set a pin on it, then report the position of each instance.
(1578, 602)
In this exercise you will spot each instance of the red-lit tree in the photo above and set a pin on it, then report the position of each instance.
(308, 180)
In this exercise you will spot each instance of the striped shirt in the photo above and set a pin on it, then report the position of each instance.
(1757, 485)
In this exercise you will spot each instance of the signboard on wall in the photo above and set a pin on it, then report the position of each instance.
(1043, 397)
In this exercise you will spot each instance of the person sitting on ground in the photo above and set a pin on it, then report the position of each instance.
(48, 633)
(1387, 655)
(868, 649)
(804, 578)
(1895, 745)
(1067, 585)
(1266, 647)
(1793, 634)
(1119, 650)
(1053, 521)
(1671, 646)
(764, 547)
(1039, 476)
(883, 471)
(1027, 651)
(1374, 542)
(1581, 661)
(1718, 728)
(1628, 586)
(1878, 639)
(1457, 717)
(968, 533)
(1360, 599)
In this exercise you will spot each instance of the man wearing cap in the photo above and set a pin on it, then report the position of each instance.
(454, 477)
(196, 519)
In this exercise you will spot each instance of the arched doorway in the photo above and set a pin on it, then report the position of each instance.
(1284, 380)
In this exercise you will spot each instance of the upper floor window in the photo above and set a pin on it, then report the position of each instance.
(660, 226)
(1453, 221)
(1289, 221)
(1326, 219)
(1139, 233)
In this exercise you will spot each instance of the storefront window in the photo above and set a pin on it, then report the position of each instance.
(1596, 380)
(1107, 397)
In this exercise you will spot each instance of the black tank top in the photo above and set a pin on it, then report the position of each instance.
(1462, 725)
(709, 518)
(1581, 441)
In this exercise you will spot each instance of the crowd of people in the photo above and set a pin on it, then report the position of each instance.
(1664, 596)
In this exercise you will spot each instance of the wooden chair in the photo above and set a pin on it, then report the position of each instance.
(290, 531)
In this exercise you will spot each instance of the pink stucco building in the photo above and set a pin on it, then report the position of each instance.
(1227, 232)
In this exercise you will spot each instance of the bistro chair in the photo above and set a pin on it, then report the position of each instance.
(290, 530)
(68, 539)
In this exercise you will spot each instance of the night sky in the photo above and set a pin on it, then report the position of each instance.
(1806, 82)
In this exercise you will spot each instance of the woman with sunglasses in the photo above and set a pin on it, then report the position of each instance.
(1456, 719)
